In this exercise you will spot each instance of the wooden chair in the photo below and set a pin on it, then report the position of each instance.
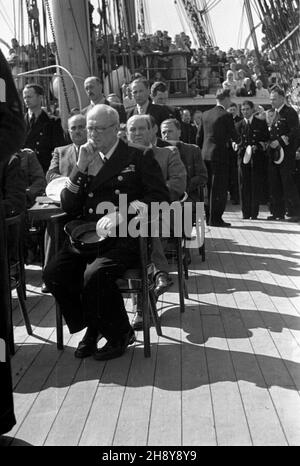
(14, 225)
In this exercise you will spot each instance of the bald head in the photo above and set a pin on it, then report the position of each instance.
(77, 129)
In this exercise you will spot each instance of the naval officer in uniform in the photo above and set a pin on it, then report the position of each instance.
(85, 286)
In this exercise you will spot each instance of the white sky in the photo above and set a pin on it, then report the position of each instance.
(226, 18)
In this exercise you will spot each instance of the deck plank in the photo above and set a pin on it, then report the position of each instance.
(226, 372)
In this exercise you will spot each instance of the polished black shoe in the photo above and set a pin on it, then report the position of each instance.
(254, 218)
(294, 219)
(88, 345)
(115, 349)
(162, 283)
(44, 289)
(245, 217)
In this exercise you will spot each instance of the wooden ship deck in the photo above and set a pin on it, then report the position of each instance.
(227, 372)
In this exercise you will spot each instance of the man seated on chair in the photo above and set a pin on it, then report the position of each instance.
(142, 131)
(84, 285)
(63, 161)
(190, 155)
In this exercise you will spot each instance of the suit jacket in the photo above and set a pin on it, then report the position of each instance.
(119, 107)
(215, 134)
(63, 161)
(34, 177)
(173, 170)
(252, 135)
(43, 137)
(196, 170)
(159, 112)
(129, 172)
(286, 124)
(188, 133)
(12, 185)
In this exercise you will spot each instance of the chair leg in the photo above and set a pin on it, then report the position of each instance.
(10, 332)
(59, 328)
(202, 252)
(154, 313)
(23, 308)
(180, 275)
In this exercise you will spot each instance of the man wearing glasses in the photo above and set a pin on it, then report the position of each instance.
(85, 286)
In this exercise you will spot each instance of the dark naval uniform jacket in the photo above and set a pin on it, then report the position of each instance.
(129, 171)
(284, 194)
(43, 137)
(251, 175)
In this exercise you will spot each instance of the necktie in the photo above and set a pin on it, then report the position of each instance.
(32, 120)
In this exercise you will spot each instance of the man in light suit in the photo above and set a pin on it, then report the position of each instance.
(141, 131)
(64, 160)
(214, 136)
(85, 286)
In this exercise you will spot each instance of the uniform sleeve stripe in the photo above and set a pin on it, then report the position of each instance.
(73, 188)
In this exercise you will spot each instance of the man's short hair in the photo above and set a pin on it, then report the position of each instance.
(158, 87)
(233, 105)
(222, 94)
(36, 87)
(148, 118)
(249, 103)
(172, 121)
(142, 80)
(278, 90)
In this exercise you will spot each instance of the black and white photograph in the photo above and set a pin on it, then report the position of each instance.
(149, 227)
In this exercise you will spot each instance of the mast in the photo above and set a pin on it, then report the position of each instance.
(70, 24)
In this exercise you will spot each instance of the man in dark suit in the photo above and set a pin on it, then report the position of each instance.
(141, 93)
(94, 90)
(188, 130)
(44, 132)
(253, 133)
(85, 287)
(283, 134)
(214, 136)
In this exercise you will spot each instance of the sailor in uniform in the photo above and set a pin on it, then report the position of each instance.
(254, 135)
(283, 134)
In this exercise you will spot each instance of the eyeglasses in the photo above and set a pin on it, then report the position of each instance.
(99, 129)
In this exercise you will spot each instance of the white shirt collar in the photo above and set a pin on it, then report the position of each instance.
(222, 106)
(110, 152)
